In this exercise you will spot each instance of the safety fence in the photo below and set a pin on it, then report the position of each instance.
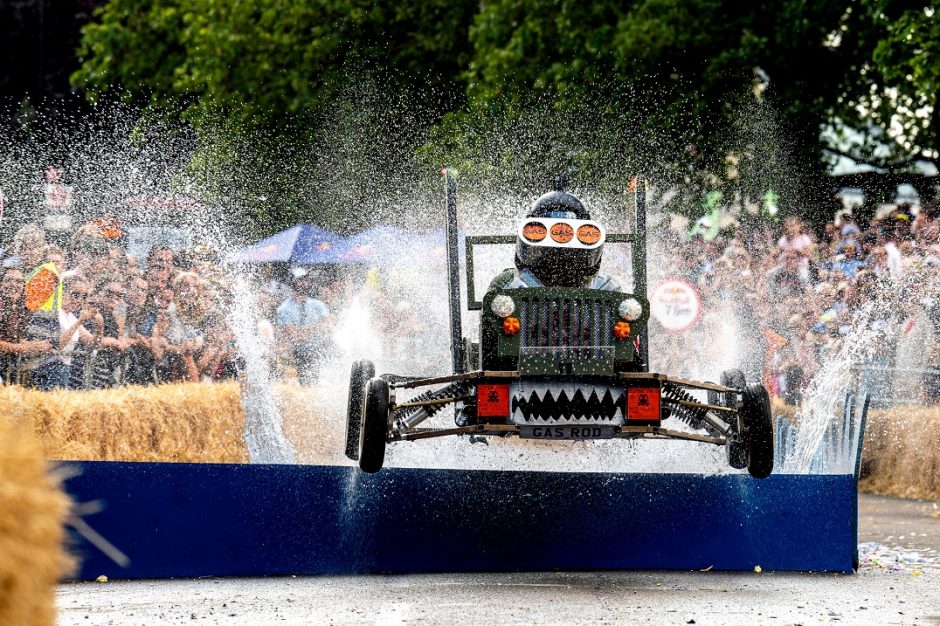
(95, 369)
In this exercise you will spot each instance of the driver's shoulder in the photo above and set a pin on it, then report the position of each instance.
(502, 280)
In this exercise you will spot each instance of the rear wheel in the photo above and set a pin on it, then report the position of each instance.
(359, 377)
(757, 431)
(374, 429)
(737, 453)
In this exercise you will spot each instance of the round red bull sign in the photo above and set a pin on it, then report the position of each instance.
(676, 304)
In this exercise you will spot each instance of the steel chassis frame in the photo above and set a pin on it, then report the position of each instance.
(507, 430)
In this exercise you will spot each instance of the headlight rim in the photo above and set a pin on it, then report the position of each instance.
(502, 312)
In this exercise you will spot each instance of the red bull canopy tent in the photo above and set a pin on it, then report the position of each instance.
(303, 244)
(380, 246)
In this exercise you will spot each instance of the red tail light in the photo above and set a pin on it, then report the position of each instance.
(493, 400)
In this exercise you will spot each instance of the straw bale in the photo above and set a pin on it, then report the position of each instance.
(33, 510)
(196, 423)
(901, 456)
(316, 429)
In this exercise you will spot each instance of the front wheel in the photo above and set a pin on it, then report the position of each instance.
(359, 377)
(374, 430)
(757, 432)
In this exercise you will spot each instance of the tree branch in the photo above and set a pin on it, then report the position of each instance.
(897, 165)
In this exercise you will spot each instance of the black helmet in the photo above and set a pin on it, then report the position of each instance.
(559, 203)
(554, 265)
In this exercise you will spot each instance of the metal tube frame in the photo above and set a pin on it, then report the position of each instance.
(409, 433)
(453, 272)
(508, 430)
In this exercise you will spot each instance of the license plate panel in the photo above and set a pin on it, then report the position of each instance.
(567, 433)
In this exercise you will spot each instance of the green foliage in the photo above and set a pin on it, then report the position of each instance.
(699, 66)
(265, 59)
(698, 94)
(907, 60)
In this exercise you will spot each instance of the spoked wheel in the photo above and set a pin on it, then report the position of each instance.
(737, 452)
(757, 431)
(359, 377)
(374, 426)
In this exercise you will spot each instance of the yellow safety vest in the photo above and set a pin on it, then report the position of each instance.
(44, 289)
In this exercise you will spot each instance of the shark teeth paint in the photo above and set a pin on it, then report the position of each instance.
(566, 403)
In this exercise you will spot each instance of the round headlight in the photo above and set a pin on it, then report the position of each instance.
(630, 310)
(503, 305)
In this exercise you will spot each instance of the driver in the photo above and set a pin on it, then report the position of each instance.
(557, 246)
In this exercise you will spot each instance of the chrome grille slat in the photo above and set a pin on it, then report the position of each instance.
(582, 325)
(524, 323)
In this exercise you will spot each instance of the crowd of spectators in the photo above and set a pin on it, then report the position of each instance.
(81, 313)
(798, 300)
(85, 314)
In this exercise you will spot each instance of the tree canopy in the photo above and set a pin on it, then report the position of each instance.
(727, 92)
(270, 58)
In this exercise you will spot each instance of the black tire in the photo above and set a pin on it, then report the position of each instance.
(735, 449)
(757, 431)
(374, 429)
(359, 377)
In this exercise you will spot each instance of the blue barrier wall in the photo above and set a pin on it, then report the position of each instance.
(232, 520)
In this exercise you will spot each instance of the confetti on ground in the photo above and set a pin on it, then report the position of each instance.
(893, 559)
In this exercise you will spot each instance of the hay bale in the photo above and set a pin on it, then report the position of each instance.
(33, 510)
(194, 423)
(901, 456)
(315, 426)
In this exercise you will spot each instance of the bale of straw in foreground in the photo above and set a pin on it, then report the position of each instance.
(33, 510)
(197, 423)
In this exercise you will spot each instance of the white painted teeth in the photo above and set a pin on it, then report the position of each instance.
(557, 403)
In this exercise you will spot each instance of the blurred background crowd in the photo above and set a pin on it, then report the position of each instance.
(782, 302)
(80, 312)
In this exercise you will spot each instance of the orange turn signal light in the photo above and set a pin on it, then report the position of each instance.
(511, 325)
(622, 330)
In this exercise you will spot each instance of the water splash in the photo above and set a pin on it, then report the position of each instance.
(361, 173)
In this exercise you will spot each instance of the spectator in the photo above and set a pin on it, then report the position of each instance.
(302, 323)
(13, 319)
(847, 261)
(179, 329)
(90, 257)
(161, 258)
(109, 336)
(794, 238)
(217, 359)
(74, 337)
(788, 278)
(139, 320)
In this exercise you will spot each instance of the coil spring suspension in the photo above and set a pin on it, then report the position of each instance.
(411, 416)
(693, 416)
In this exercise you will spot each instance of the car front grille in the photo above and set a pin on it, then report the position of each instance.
(581, 326)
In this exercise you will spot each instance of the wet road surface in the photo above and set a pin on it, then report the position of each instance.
(898, 583)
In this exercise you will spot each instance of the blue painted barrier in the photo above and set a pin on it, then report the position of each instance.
(184, 520)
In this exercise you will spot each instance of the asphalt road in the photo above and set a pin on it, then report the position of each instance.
(898, 583)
